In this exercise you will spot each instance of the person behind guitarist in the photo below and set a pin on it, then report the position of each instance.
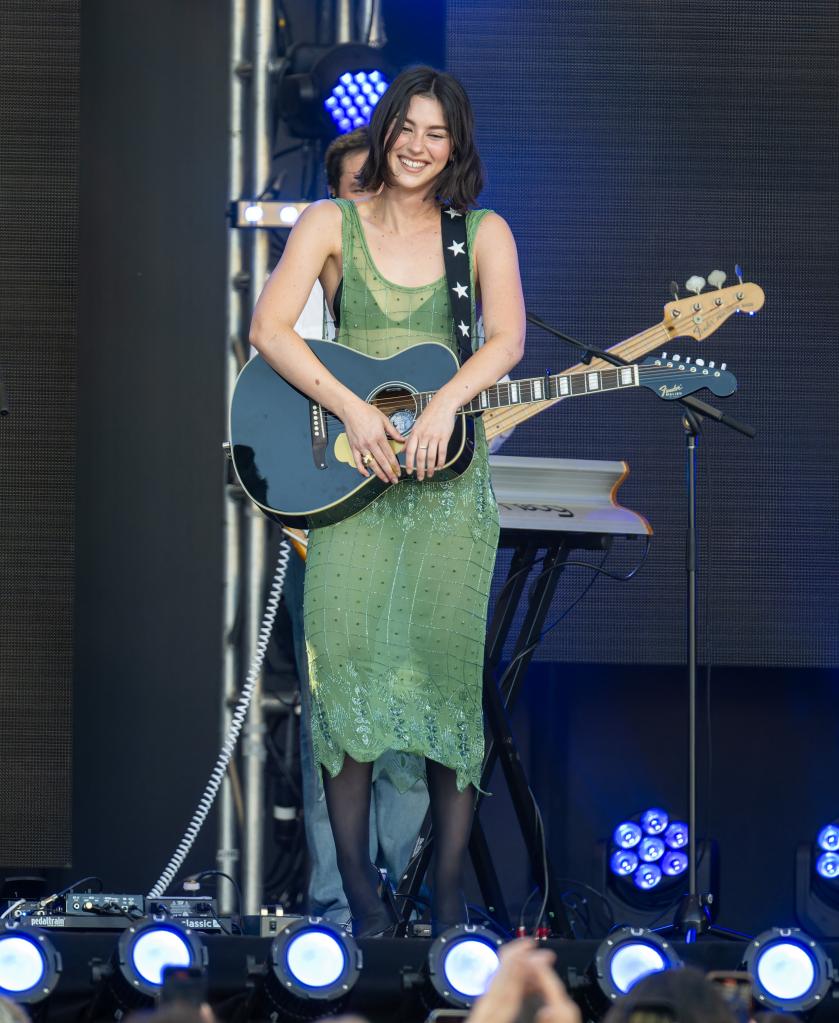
(396, 595)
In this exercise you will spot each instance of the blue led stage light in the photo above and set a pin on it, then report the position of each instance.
(156, 948)
(651, 849)
(817, 883)
(674, 863)
(827, 866)
(647, 876)
(324, 90)
(30, 967)
(623, 862)
(461, 963)
(651, 836)
(627, 835)
(654, 821)
(353, 95)
(312, 967)
(676, 835)
(640, 890)
(134, 975)
(790, 971)
(828, 838)
(626, 956)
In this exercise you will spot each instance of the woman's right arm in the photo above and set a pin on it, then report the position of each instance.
(310, 245)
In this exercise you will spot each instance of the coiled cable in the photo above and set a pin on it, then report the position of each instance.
(228, 747)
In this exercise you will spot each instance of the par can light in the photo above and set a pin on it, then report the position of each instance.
(134, 976)
(461, 963)
(828, 838)
(30, 967)
(312, 967)
(790, 971)
(627, 955)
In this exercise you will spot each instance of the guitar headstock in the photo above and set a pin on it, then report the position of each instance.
(700, 315)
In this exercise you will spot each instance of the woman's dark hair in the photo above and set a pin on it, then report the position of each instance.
(462, 180)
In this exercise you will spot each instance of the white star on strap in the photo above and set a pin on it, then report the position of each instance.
(452, 213)
(464, 328)
(457, 248)
(459, 290)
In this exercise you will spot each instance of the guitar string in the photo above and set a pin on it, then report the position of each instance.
(395, 404)
(497, 419)
(623, 348)
(501, 420)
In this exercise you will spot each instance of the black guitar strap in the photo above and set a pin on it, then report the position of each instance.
(456, 259)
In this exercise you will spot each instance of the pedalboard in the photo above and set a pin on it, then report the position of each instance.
(114, 911)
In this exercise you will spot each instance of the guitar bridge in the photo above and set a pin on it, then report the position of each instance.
(317, 422)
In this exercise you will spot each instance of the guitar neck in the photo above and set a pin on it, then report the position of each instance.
(549, 388)
(498, 419)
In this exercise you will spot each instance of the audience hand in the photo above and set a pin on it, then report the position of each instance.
(525, 970)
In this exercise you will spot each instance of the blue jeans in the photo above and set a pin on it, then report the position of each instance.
(395, 817)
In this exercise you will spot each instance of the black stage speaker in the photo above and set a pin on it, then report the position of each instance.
(39, 134)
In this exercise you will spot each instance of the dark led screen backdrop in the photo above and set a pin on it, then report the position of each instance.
(39, 145)
(631, 144)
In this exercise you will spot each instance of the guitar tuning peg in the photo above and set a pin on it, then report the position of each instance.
(739, 271)
(674, 291)
(695, 284)
(675, 358)
(664, 355)
(722, 366)
(711, 365)
(687, 359)
(716, 278)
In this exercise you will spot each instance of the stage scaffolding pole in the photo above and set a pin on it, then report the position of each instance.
(227, 852)
(255, 523)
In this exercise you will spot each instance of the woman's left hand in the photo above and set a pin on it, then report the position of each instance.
(428, 442)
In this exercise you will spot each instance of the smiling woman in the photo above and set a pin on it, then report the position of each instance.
(429, 131)
(396, 596)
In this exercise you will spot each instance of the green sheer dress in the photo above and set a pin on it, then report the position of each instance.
(395, 602)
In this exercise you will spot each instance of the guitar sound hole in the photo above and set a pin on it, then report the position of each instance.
(399, 406)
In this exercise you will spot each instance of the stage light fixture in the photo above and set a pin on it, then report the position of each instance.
(326, 91)
(461, 962)
(30, 967)
(627, 955)
(817, 883)
(134, 976)
(645, 866)
(311, 969)
(262, 213)
(789, 970)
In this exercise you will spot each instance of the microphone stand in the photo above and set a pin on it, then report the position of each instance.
(692, 916)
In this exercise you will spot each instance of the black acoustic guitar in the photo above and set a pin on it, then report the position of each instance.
(292, 456)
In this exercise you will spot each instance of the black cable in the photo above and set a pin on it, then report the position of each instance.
(598, 570)
(204, 874)
(57, 895)
(574, 603)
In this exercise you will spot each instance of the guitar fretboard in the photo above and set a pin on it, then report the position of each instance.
(545, 388)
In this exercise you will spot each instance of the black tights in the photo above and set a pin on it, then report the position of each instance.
(348, 803)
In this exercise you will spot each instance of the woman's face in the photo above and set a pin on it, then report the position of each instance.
(423, 146)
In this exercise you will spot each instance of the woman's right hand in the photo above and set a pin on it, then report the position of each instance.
(368, 431)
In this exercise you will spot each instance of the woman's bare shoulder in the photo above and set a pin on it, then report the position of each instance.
(492, 228)
(320, 215)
